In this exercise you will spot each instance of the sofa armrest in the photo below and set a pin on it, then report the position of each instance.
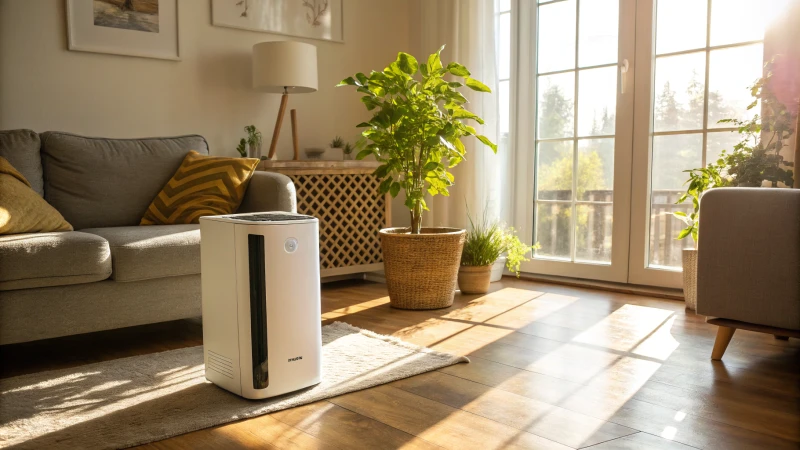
(269, 191)
(749, 256)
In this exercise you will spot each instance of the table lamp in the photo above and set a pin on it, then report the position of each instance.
(284, 67)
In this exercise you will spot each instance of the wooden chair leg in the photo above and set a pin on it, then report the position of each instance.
(724, 335)
(783, 338)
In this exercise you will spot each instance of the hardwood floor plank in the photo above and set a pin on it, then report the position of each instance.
(438, 423)
(551, 422)
(640, 441)
(348, 430)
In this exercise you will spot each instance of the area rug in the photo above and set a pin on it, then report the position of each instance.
(131, 401)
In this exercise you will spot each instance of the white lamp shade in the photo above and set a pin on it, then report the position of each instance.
(285, 64)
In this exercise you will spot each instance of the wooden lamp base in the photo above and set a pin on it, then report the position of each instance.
(277, 131)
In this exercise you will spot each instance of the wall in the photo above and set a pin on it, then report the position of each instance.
(43, 86)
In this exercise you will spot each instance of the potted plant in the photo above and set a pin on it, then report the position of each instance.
(754, 162)
(486, 241)
(337, 143)
(347, 151)
(416, 130)
(250, 147)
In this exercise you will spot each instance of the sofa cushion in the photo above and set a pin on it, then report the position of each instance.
(52, 259)
(21, 209)
(97, 182)
(21, 149)
(202, 186)
(157, 251)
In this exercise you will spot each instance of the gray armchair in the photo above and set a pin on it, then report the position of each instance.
(748, 273)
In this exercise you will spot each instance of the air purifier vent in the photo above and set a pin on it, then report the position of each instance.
(220, 364)
(258, 311)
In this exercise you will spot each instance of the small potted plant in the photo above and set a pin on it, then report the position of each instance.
(755, 161)
(486, 241)
(416, 132)
(347, 151)
(337, 143)
(250, 147)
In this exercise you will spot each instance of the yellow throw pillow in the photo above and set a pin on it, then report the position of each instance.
(22, 210)
(202, 186)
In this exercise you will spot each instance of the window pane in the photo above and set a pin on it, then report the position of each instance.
(555, 108)
(554, 170)
(596, 170)
(504, 46)
(718, 141)
(680, 25)
(502, 5)
(597, 101)
(679, 91)
(734, 21)
(593, 232)
(731, 72)
(599, 26)
(672, 154)
(504, 105)
(553, 229)
(556, 38)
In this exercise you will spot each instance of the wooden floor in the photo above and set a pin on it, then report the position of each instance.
(553, 367)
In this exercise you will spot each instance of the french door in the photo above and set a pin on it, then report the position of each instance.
(574, 135)
(615, 99)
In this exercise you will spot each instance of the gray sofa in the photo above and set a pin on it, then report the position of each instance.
(109, 272)
(748, 270)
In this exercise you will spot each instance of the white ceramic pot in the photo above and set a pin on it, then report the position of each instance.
(497, 269)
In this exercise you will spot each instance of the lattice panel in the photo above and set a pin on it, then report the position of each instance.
(350, 210)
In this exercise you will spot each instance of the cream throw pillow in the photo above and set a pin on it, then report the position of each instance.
(22, 210)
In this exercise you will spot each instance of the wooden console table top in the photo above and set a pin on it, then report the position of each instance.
(314, 167)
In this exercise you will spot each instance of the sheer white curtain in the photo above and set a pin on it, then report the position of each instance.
(467, 28)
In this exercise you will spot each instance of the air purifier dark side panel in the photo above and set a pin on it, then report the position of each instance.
(258, 311)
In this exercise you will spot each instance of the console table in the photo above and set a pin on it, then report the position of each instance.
(344, 196)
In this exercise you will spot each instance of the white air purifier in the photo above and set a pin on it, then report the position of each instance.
(261, 302)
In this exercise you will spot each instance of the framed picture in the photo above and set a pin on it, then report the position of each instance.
(314, 19)
(144, 28)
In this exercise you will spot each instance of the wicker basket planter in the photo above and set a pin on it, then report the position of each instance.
(690, 278)
(421, 269)
(474, 279)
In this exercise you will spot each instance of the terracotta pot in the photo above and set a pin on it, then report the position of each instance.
(690, 278)
(421, 269)
(474, 279)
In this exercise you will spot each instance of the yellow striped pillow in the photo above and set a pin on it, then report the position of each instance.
(202, 186)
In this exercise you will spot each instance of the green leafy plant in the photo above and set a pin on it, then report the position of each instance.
(755, 159)
(487, 240)
(417, 126)
(242, 147)
(337, 142)
(348, 148)
(253, 140)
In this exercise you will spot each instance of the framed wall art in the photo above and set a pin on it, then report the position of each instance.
(144, 28)
(314, 19)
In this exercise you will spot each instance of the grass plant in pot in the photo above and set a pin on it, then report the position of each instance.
(755, 161)
(486, 241)
(416, 132)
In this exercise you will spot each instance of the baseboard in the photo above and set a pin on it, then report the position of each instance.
(623, 288)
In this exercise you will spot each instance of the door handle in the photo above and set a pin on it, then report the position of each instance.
(623, 75)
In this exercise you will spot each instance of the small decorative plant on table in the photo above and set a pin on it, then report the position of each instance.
(347, 151)
(486, 241)
(250, 146)
(755, 161)
(337, 143)
(416, 132)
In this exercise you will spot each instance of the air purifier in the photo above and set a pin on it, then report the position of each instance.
(261, 302)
